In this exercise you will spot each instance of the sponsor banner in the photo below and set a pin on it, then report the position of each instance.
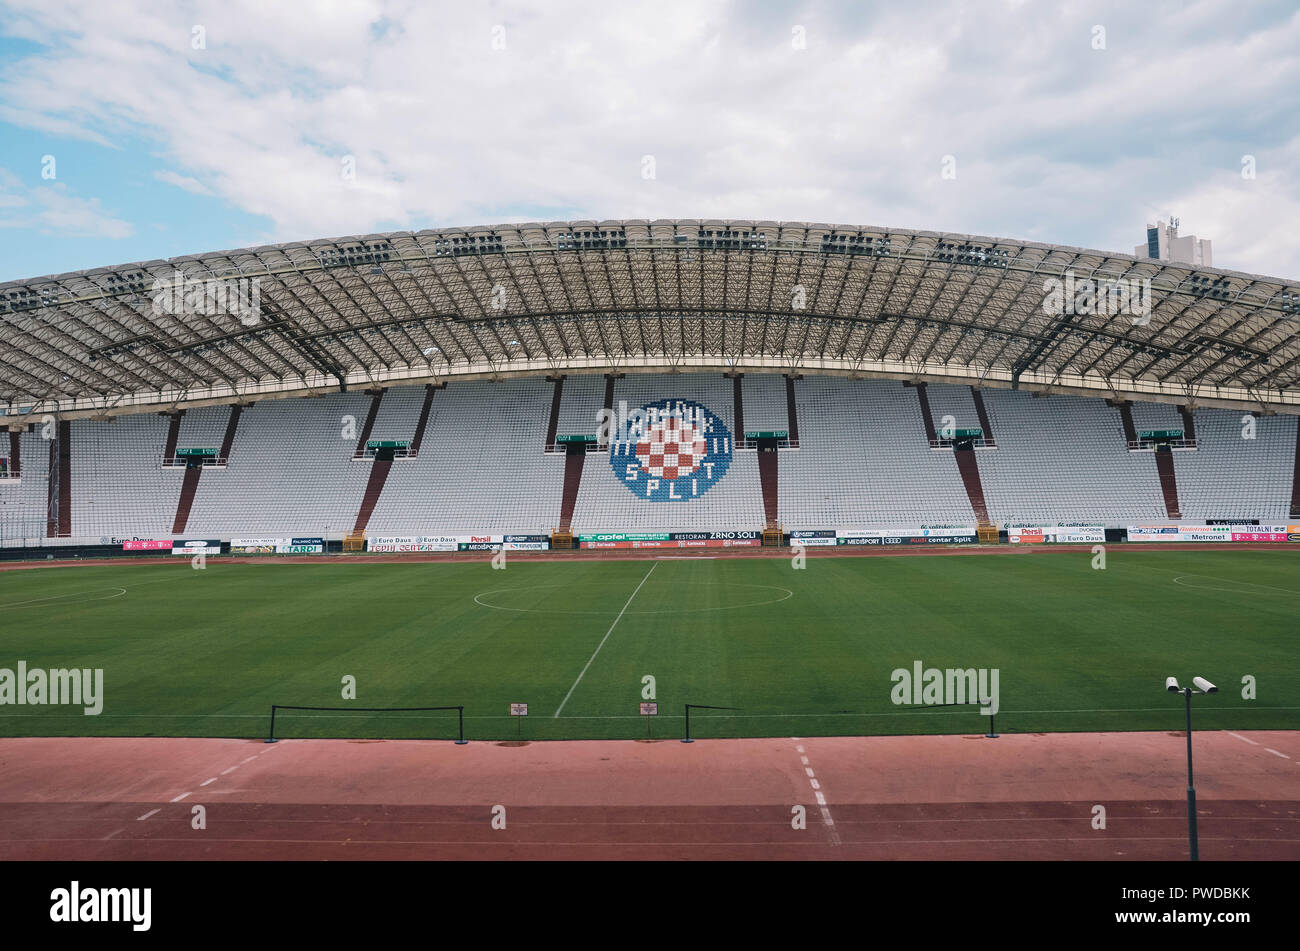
(897, 538)
(1057, 534)
(625, 537)
(254, 546)
(526, 538)
(478, 543)
(681, 543)
(147, 544)
(947, 535)
(193, 546)
(411, 543)
(710, 536)
(811, 540)
(300, 546)
(526, 546)
(1026, 536)
(1081, 534)
(819, 533)
(1210, 533)
(934, 531)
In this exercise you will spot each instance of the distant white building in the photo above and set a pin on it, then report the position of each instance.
(1165, 244)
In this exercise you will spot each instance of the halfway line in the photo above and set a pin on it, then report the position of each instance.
(604, 639)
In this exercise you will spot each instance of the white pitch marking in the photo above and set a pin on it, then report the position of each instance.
(148, 814)
(231, 770)
(208, 782)
(1240, 737)
(253, 757)
(604, 639)
(180, 797)
(1276, 753)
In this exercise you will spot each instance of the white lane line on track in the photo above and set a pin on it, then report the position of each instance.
(1240, 737)
(605, 638)
(208, 782)
(180, 797)
(821, 801)
(1276, 753)
(151, 812)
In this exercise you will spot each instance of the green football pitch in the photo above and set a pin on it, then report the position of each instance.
(808, 652)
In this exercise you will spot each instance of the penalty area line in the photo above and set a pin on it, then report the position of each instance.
(604, 639)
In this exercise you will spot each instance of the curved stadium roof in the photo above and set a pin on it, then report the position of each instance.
(584, 296)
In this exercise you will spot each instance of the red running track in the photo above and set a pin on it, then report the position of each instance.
(927, 797)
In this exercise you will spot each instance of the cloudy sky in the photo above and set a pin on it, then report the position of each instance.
(135, 131)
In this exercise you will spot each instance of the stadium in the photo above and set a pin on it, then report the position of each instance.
(905, 529)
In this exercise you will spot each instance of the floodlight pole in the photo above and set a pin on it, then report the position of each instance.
(1191, 789)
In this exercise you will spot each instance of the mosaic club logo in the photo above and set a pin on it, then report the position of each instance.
(671, 451)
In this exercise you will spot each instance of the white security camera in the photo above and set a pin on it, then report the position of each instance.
(1171, 684)
(1204, 685)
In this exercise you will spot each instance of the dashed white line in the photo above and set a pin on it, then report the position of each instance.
(208, 782)
(821, 798)
(231, 770)
(180, 797)
(151, 812)
(1276, 753)
(1240, 737)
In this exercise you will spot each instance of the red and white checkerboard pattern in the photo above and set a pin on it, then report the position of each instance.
(671, 448)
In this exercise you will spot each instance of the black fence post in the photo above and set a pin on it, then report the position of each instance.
(271, 737)
(460, 716)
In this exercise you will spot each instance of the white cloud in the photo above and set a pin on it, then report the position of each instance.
(1053, 140)
(185, 182)
(53, 209)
